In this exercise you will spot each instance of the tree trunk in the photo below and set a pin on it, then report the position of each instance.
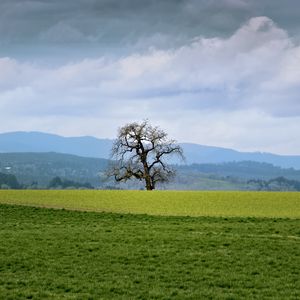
(149, 186)
(148, 179)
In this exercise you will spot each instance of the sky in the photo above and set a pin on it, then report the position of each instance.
(214, 72)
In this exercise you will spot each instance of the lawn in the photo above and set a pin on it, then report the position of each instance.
(172, 203)
(55, 254)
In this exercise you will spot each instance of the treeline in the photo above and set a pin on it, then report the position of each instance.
(58, 183)
(275, 184)
(244, 170)
(9, 181)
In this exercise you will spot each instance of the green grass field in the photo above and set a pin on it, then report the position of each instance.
(251, 252)
(175, 203)
(55, 254)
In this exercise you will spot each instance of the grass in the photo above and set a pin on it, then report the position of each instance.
(55, 254)
(175, 203)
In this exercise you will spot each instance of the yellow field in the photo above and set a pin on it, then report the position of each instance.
(175, 203)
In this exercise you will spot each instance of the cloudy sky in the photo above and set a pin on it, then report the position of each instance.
(215, 72)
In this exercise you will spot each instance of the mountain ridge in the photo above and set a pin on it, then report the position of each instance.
(89, 146)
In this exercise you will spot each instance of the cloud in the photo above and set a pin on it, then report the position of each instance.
(238, 91)
(113, 23)
(63, 33)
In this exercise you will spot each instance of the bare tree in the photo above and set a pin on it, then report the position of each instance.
(140, 152)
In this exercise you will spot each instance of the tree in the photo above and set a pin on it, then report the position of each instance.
(9, 180)
(58, 183)
(140, 151)
(55, 182)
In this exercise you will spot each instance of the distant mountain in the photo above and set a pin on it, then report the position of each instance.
(206, 154)
(87, 146)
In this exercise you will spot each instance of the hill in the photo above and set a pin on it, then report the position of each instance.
(41, 168)
(87, 146)
(243, 170)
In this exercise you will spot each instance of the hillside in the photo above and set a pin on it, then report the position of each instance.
(87, 146)
(43, 167)
(243, 170)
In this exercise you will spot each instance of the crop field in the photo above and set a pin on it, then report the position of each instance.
(55, 254)
(149, 245)
(172, 203)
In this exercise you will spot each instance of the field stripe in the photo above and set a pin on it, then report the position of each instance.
(173, 203)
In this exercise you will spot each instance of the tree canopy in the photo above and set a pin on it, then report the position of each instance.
(141, 151)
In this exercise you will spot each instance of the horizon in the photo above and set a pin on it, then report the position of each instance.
(179, 142)
(220, 73)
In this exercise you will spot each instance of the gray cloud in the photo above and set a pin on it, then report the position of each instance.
(239, 67)
(111, 24)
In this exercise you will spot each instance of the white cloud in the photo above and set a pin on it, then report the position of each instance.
(245, 130)
(229, 92)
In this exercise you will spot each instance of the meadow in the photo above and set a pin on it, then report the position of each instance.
(142, 250)
(172, 203)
